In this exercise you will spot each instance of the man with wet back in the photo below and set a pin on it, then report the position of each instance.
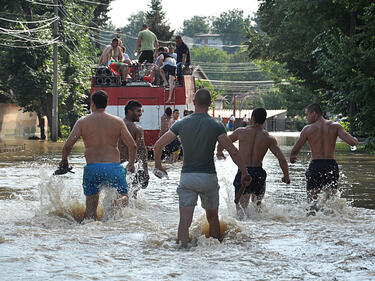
(321, 134)
(133, 113)
(199, 133)
(101, 132)
(254, 143)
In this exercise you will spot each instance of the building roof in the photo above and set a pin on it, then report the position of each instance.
(226, 113)
(207, 35)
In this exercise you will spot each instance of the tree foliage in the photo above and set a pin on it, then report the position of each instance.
(195, 25)
(327, 46)
(26, 64)
(157, 22)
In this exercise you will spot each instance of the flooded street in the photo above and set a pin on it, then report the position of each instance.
(41, 240)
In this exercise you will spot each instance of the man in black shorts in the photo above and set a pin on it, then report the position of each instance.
(321, 134)
(148, 42)
(254, 144)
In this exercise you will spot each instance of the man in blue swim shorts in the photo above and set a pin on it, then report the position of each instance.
(101, 132)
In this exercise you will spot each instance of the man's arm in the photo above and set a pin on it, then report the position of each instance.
(297, 147)
(75, 134)
(346, 137)
(137, 44)
(156, 43)
(158, 147)
(103, 57)
(128, 140)
(275, 149)
(184, 56)
(141, 147)
(226, 142)
(219, 151)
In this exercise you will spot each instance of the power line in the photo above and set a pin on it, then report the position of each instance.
(43, 4)
(95, 3)
(23, 22)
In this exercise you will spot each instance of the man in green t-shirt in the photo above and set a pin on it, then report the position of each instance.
(199, 133)
(148, 42)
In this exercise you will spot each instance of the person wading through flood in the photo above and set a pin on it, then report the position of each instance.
(254, 143)
(100, 132)
(199, 133)
(133, 113)
(323, 172)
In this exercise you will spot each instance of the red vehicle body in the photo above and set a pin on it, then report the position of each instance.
(151, 97)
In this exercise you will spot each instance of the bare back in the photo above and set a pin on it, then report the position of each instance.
(100, 132)
(322, 136)
(253, 144)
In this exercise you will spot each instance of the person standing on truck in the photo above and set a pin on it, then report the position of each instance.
(148, 42)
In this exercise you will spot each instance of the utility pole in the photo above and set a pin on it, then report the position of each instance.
(55, 112)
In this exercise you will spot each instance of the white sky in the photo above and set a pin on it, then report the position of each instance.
(178, 11)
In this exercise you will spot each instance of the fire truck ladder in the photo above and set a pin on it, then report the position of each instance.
(173, 98)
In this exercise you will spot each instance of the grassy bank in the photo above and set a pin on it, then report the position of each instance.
(361, 148)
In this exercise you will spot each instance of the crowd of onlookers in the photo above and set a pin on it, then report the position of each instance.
(164, 64)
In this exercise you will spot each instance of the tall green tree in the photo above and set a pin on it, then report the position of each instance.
(195, 25)
(232, 26)
(157, 22)
(26, 60)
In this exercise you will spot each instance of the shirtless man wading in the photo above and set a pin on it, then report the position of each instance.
(100, 132)
(133, 113)
(254, 143)
(199, 134)
(321, 134)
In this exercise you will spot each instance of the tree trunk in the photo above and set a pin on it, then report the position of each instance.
(41, 125)
(352, 104)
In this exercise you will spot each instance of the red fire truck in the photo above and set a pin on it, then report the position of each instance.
(152, 97)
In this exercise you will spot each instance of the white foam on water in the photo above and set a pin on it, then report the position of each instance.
(40, 239)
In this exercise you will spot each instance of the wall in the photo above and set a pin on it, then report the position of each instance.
(16, 123)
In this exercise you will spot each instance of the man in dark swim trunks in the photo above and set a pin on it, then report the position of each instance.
(254, 143)
(321, 134)
(133, 113)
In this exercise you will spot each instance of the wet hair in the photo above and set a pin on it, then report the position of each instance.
(161, 49)
(168, 111)
(260, 115)
(100, 99)
(314, 107)
(178, 37)
(202, 97)
(176, 110)
(144, 26)
(132, 104)
(115, 40)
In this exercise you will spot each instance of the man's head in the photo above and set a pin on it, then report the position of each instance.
(259, 115)
(313, 112)
(114, 43)
(144, 26)
(168, 111)
(202, 98)
(176, 114)
(161, 49)
(171, 48)
(178, 40)
(99, 99)
(133, 110)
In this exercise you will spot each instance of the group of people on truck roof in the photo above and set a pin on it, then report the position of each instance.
(160, 60)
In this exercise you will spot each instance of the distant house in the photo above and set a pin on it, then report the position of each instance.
(209, 40)
(275, 118)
